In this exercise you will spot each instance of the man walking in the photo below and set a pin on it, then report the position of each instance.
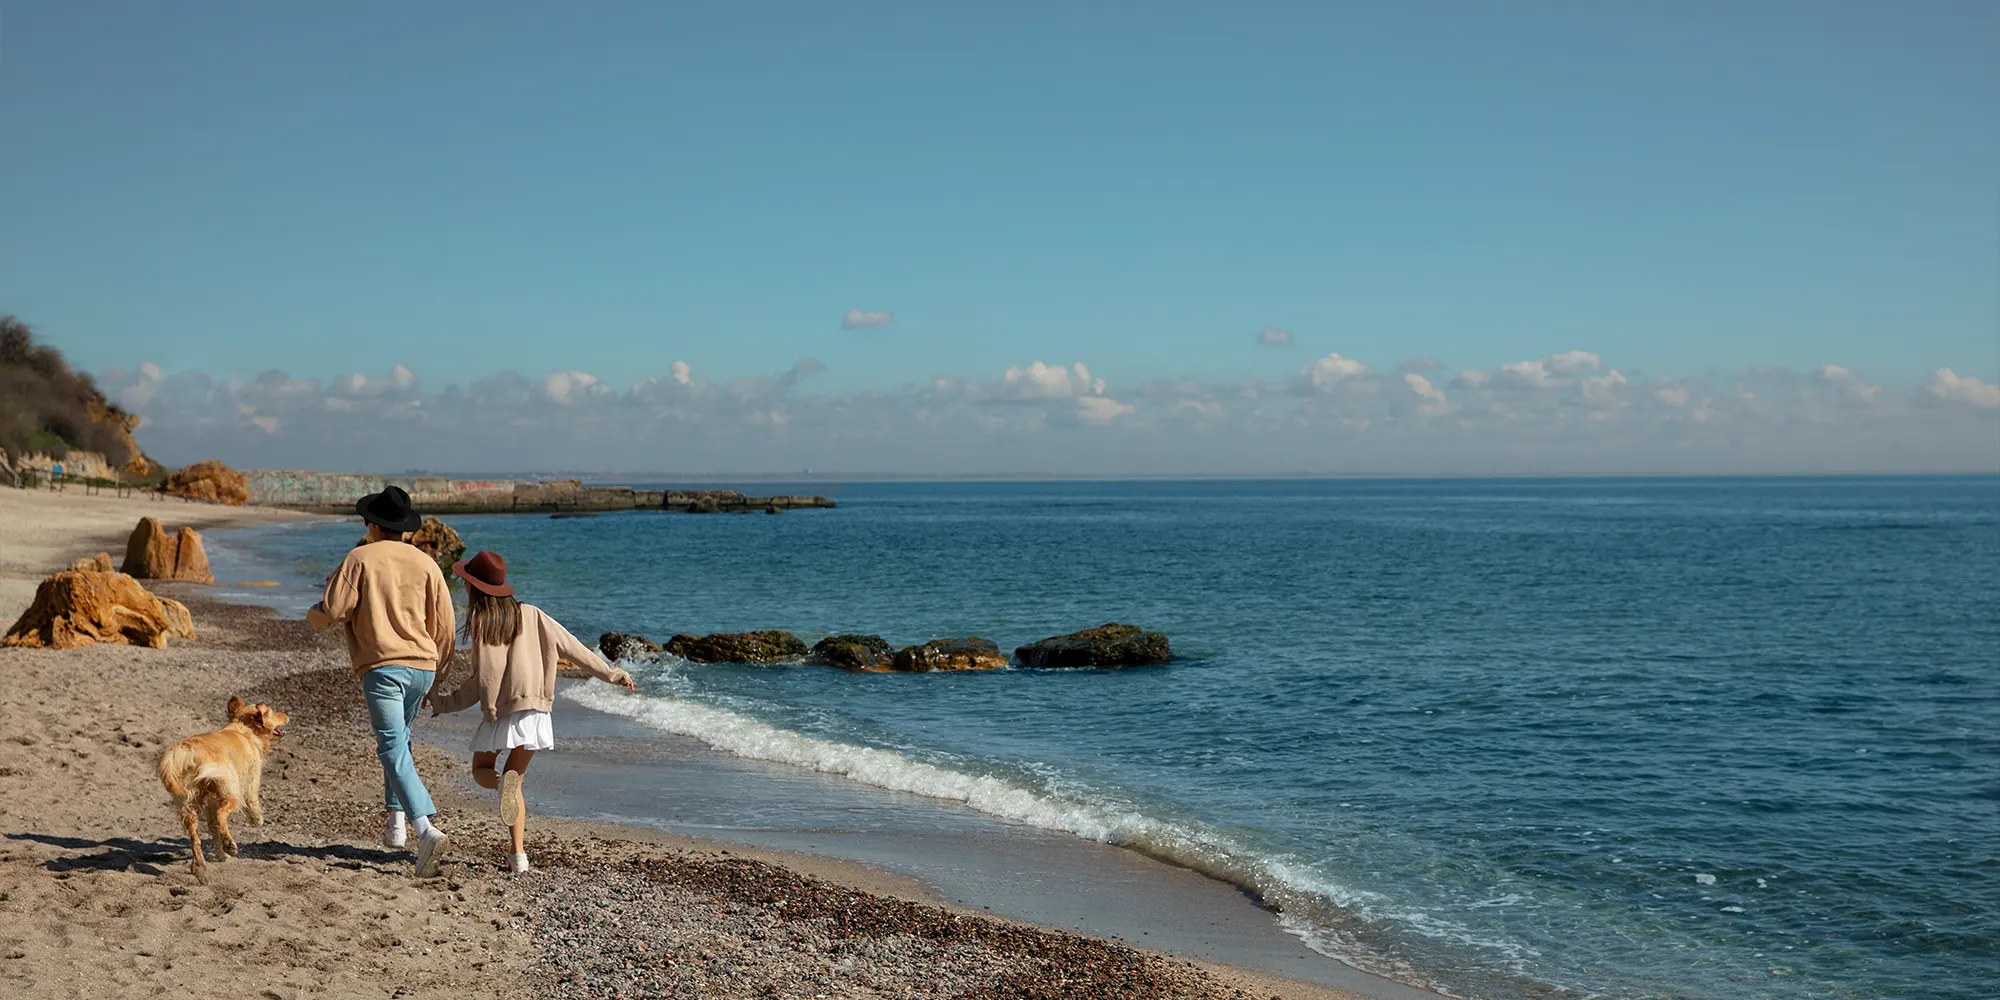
(397, 609)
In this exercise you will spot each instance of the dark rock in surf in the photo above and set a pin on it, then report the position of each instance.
(971, 653)
(1111, 645)
(620, 646)
(853, 652)
(737, 647)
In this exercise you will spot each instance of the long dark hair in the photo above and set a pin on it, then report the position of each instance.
(491, 621)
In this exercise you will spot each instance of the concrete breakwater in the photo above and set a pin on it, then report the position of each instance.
(336, 492)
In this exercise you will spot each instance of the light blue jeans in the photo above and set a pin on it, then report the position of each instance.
(393, 693)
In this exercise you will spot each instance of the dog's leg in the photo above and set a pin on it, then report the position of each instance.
(253, 800)
(224, 843)
(199, 866)
(209, 803)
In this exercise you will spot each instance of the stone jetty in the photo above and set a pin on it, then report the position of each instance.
(336, 493)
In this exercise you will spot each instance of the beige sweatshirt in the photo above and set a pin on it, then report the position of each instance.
(507, 679)
(395, 604)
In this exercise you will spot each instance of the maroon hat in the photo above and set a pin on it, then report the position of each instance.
(485, 572)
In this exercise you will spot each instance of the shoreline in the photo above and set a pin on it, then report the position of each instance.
(613, 772)
(85, 826)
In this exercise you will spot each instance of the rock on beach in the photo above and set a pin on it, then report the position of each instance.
(970, 653)
(74, 609)
(769, 646)
(1110, 645)
(151, 555)
(439, 541)
(624, 646)
(210, 481)
(853, 652)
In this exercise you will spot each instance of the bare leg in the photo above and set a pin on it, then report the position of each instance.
(517, 762)
(482, 769)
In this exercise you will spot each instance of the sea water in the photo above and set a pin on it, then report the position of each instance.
(1627, 738)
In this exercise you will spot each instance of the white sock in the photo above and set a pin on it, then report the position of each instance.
(422, 824)
(396, 818)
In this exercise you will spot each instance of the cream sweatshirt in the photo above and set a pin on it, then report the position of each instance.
(395, 604)
(507, 679)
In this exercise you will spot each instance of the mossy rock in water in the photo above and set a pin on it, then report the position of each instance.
(853, 652)
(1111, 645)
(970, 653)
(737, 647)
(621, 646)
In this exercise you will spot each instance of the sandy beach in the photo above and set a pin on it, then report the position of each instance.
(96, 898)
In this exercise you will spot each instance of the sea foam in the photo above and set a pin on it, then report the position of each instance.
(1314, 908)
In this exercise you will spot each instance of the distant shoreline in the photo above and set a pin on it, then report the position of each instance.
(660, 479)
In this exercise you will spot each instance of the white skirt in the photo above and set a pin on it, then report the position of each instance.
(529, 727)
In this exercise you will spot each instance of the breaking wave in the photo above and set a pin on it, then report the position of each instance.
(1328, 917)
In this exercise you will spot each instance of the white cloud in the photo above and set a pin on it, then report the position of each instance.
(857, 319)
(1950, 386)
(1849, 383)
(1556, 370)
(399, 381)
(1600, 388)
(1271, 336)
(1101, 409)
(568, 387)
(1328, 373)
(682, 373)
(1672, 395)
(1041, 381)
(1434, 402)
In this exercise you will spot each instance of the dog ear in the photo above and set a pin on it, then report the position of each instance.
(264, 718)
(235, 707)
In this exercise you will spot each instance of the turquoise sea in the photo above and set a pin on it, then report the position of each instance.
(1620, 738)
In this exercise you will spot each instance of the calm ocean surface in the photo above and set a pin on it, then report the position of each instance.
(1631, 738)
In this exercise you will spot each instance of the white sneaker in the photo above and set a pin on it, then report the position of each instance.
(393, 832)
(430, 847)
(520, 863)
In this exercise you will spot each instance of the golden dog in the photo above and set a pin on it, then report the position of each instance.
(212, 774)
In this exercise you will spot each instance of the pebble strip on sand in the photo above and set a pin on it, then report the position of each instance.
(615, 922)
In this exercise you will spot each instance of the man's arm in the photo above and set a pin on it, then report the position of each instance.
(443, 622)
(343, 595)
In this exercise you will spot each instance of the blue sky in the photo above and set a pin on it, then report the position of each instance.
(1687, 191)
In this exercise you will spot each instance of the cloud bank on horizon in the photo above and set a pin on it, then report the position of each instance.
(1563, 413)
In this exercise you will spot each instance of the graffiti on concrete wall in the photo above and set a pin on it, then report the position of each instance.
(300, 488)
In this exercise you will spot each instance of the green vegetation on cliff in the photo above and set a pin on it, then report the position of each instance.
(49, 409)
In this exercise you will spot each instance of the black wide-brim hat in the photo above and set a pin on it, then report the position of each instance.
(390, 509)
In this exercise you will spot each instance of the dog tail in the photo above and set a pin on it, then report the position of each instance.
(184, 773)
(176, 763)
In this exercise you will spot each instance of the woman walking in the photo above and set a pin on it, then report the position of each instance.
(516, 648)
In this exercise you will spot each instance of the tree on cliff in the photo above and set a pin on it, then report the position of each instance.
(47, 408)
